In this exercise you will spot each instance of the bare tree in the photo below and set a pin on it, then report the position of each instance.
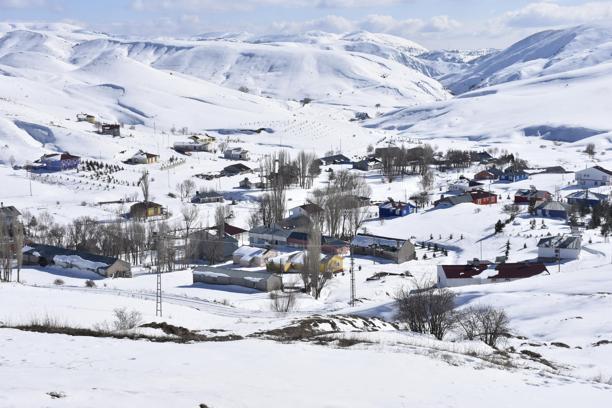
(283, 302)
(144, 185)
(185, 189)
(220, 216)
(313, 277)
(484, 322)
(190, 215)
(427, 179)
(427, 309)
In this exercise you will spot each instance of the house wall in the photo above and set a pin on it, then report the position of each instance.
(592, 177)
(564, 253)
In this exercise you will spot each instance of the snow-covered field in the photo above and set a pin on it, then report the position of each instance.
(543, 99)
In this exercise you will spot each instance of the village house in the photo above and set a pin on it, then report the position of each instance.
(484, 157)
(310, 210)
(478, 272)
(531, 195)
(460, 186)
(206, 197)
(245, 183)
(387, 151)
(553, 209)
(334, 246)
(112, 129)
(368, 164)
(263, 236)
(481, 197)
(300, 223)
(206, 245)
(235, 170)
(9, 215)
(450, 201)
(559, 248)
(194, 146)
(247, 256)
(586, 198)
(260, 280)
(236, 153)
(512, 176)
(391, 209)
(84, 117)
(59, 161)
(240, 234)
(492, 173)
(141, 157)
(46, 255)
(593, 177)
(394, 249)
(145, 210)
(334, 159)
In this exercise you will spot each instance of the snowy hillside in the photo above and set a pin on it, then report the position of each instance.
(544, 100)
(544, 53)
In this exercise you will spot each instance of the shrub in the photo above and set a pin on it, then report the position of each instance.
(485, 323)
(427, 310)
(283, 302)
(90, 284)
(58, 282)
(125, 320)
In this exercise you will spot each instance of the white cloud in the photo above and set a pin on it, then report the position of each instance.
(21, 4)
(245, 5)
(374, 23)
(543, 14)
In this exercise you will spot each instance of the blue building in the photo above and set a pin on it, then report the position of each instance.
(553, 209)
(390, 209)
(512, 176)
(586, 198)
(60, 161)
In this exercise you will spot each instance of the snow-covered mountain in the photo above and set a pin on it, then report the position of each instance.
(544, 53)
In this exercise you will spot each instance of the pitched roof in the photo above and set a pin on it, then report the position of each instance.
(462, 271)
(9, 211)
(311, 208)
(518, 270)
(50, 251)
(233, 230)
(481, 194)
(562, 242)
(553, 206)
(367, 241)
(603, 170)
(587, 195)
(454, 200)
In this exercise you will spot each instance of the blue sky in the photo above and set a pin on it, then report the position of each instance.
(434, 23)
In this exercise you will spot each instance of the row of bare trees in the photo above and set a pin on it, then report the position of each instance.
(399, 161)
(344, 202)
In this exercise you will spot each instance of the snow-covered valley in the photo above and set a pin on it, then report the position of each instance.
(545, 100)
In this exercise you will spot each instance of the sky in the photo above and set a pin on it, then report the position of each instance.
(436, 24)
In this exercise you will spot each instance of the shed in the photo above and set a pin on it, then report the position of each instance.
(263, 281)
(145, 210)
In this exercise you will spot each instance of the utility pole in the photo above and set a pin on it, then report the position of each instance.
(353, 289)
(158, 295)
